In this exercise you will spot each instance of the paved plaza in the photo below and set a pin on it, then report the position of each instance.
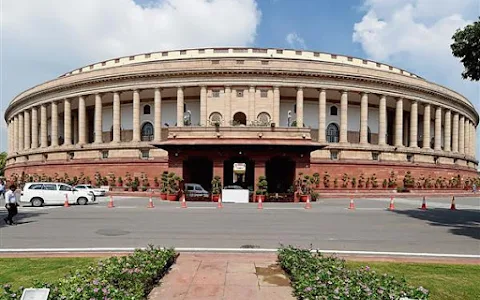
(329, 225)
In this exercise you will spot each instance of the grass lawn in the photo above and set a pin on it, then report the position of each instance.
(445, 282)
(23, 271)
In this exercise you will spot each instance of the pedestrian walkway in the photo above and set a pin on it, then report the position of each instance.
(224, 276)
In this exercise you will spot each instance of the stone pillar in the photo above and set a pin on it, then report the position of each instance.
(399, 123)
(455, 132)
(474, 140)
(461, 135)
(98, 119)
(448, 134)
(10, 138)
(300, 107)
(27, 128)
(344, 117)
(34, 127)
(15, 134)
(426, 127)
(180, 106)
(54, 131)
(203, 106)
(67, 122)
(136, 116)
(276, 105)
(364, 119)
(251, 104)
(438, 129)
(467, 136)
(21, 132)
(116, 118)
(82, 120)
(228, 105)
(382, 121)
(414, 125)
(322, 115)
(43, 126)
(157, 128)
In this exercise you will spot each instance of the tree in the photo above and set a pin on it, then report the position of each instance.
(3, 160)
(467, 47)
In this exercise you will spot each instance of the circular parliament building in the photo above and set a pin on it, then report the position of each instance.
(275, 112)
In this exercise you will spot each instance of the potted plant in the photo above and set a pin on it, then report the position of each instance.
(135, 184)
(119, 181)
(216, 188)
(408, 180)
(316, 179)
(262, 187)
(326, 180)
(173, 186)
(164, 188)
(306, 187)
(345, 179)
(156, 182)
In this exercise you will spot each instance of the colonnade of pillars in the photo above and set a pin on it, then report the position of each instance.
(459, 131)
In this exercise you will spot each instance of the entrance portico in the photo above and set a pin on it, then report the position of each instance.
(278, 153)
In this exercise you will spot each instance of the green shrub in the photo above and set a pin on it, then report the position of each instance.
(315, 276)
(129, 277)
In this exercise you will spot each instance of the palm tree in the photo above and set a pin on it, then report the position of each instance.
(3, 160)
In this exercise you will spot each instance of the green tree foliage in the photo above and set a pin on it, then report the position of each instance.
(3, 160)
(467, 47)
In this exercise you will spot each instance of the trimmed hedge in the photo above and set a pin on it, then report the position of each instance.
(315, 276)
(128, 277)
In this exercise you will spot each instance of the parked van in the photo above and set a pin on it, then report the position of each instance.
(45, 193)
(195, 190)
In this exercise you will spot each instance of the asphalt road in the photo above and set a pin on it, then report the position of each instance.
(329, 225)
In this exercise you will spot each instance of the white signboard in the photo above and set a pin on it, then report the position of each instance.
(35, 294)
(235, 196)
(239, 168)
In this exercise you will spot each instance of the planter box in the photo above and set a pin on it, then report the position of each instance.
(172, 197)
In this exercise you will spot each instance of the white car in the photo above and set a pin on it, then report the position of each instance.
(90, 188)
(45, 193)
(195, 190)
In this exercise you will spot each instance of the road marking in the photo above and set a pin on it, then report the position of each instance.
(198, 207)
(284, 208)
(265, 250)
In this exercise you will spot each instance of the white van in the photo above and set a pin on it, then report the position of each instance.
(45, 193)
(195, 190)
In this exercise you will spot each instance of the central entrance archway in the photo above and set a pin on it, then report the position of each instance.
(247, 180)
(198, 170)
(239, 119)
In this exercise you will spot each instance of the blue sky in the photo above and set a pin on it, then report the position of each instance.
(44, 38)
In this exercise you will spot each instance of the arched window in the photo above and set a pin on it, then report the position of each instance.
(333, 134)
(333, 111)
(147, 131)
(146, 109)
(215, 118)
(263, 119)
(239, 119)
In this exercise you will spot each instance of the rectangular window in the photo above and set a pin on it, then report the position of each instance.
(316, 54)
(91, 67)
(365, 62)
(132, 57)
(145, 153)
(164, 53)
(350, 58)
(375, 155)
(183, 52)
(215, 62)
(390, 68)
(104, 63)
(215, 93)
(240, 62)
(259, 50)
(379, 65)
(279, 51)
(240, 50)
(117, 60)
(410, 157)
(264, 62)
(104, 154)
(239, 94)
(147, 55)
(263, 93)
(201, 51)
(333, 56)
(50, 187)
(334, 155)
(298, 52)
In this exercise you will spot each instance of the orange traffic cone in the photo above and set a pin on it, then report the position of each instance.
(452, 207)
(424, 204)
(220, 205)
(110, 203)
(66, 201)
(352, 204)
(184, 202)
(392, 205)
(150, 203)
(260, 203)
(308, 205)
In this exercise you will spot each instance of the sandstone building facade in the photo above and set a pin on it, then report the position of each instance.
(196, 112)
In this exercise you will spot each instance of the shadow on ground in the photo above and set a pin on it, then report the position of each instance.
(21, 218)
(460, 222)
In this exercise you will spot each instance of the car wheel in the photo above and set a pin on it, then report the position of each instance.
(82, 201)
(37, 202)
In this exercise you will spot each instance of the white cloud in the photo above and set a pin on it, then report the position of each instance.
(45, 38)
(416, 35)
(295, 41)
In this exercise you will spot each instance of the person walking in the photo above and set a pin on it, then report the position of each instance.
(11, 204)
(2, 189)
